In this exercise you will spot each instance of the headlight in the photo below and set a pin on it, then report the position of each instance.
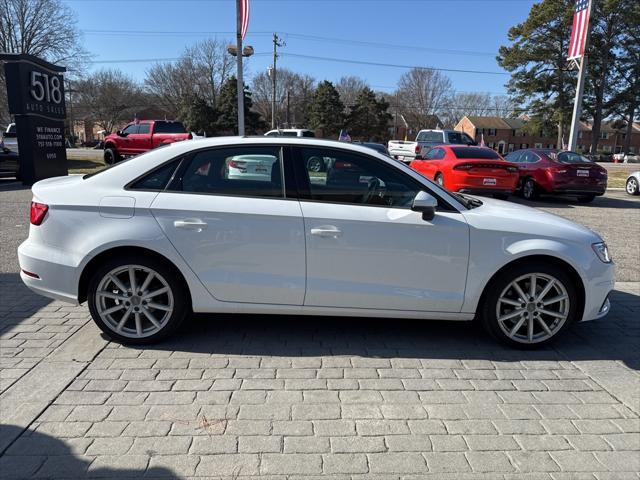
(602, 251)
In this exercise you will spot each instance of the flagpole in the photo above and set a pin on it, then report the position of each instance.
(577, 103)
(239, 65)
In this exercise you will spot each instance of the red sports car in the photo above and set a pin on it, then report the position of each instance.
(558, 172)
(469, 169)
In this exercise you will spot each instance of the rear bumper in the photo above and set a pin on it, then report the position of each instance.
(56, 271)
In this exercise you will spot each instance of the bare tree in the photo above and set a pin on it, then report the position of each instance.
(199, 73)
(423, 93)
(299, 88)
(107, 97)
(210, 59)
(349, 88)
(43, 28)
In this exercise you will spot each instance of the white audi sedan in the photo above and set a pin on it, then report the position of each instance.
(174, 231)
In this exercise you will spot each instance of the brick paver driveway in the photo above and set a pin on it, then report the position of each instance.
(291, 397)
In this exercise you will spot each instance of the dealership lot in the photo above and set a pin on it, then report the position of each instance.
(298, 397)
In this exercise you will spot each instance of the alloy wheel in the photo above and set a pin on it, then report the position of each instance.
(528, 189)
(533, 308)
(632, 186)
(315, 164)
(134, 301)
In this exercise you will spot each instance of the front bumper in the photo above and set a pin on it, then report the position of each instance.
(56, 270)
(597, 291)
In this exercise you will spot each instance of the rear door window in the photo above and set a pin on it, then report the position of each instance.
(572, 157)
(144, 128)
(236, 171)
(168, 127)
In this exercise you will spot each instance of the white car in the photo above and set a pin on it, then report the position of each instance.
(152, 239)
(251, 167)
(290, 132)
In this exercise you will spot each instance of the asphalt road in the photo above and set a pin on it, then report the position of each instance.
(615, 216)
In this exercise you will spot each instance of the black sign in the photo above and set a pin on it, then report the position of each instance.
(35, 91)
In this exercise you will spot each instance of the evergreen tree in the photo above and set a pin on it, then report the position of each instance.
(541, 81)
(368, 118)
(228, 110)
(198, 115)
(327, 110)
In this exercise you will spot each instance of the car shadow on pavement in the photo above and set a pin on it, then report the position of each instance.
(44, 456)
(571, 202)
(616, 337)
(17, 302)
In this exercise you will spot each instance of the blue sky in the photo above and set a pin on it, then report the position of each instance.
(449, 34)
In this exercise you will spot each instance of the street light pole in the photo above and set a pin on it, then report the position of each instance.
(239, 79)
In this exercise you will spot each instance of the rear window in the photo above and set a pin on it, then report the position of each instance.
(481, 153)
(289, 134)
(569, 157)
(169, 127)
(308, 134)
(158, 178)
(430, 137)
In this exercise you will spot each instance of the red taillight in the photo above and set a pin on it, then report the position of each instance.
(463, 166)
(190, 137)
(38, 212)
(418, 149)
(238, 164)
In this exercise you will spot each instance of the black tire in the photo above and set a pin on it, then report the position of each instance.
(439, 179)
(315, 164)
(586, 198)
(501, 196)
(632, 186)
(111, 156)
(530, 189)
(488, 309)
(178, 291)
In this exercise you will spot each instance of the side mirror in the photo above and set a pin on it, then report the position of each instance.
(426, 204)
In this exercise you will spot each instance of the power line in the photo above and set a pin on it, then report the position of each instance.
(391, 65)
(299, 36)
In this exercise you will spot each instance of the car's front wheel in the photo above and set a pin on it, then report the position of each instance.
(529, 305)
(137, 300)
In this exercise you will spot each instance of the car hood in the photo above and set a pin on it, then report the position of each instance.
(530, 222)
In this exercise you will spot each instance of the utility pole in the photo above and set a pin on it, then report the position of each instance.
(288, 108)
(582, 72)
(395, 122)
(239, 79)
(277, 42)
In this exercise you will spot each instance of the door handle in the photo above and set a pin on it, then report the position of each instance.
(328, 231)
(190, 224)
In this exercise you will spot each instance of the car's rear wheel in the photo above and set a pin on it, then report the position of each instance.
(529, 305)
(529, 189)
(137, 300)
(111, 156)
(632, 186)
(439, 179)
(586, 198)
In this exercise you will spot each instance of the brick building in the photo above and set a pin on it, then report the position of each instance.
(507, 134)
(503, 134)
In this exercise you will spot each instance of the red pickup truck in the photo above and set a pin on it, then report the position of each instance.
(142, 136)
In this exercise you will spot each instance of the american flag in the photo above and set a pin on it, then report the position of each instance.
(244, 15)
(579, 29)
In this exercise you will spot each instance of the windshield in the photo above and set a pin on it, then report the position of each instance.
(475, 152)
(430, 137)
(569, 157)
